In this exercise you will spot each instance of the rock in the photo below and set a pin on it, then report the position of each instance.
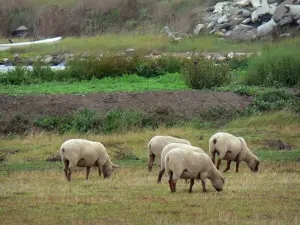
(246, 13)
(48, 59)
(223, 26)
(285, 35)
(210, 9)
(245, 21)
(243, 32)
(286, 20)
(210, 25)
(198, 28)
(298, 21)
(130, 52)
(228, 33)
(281, 10)
(264, 11)
(214, 17)
(242, 3)
(265, 28)
(212, 31)
(223, 31)
(16, 56)
(5, 60)
(292, 10)
(255, 3)
(219, 34)
(221, 58)
(230, 55)
(271, 1)
(54, 158)
(223, 19)
(221, 7)
(297, 17)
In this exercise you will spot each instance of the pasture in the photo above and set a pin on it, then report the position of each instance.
(35, 191)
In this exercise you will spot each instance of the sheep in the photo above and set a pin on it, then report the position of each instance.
(168, 148)
(85, 153)
(231, 148)
(156, 145)
(186, 164)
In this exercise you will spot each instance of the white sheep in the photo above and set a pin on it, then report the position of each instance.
(85, 153)
(168, 148)
(232, 148)
(156, 145)
(186, 164)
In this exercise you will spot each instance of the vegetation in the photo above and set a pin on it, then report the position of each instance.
(277, 66)
(201, 73)
(29, 184)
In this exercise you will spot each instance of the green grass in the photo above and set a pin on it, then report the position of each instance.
(143, 44)
(37, 192)
(125, 83)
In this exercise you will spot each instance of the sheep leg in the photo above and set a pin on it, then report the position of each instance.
(219, 163)
(66, 168)
(228, 166)
(70, 169)
(203, 186)
(88, 169)
(161, 172)
(237, 167)
(99, 169)
(191, 185)
(214, 157)
(173, 185)
(151, 161)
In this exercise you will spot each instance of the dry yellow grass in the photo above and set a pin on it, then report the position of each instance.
(33, 191)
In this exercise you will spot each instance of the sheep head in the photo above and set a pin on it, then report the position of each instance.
(218, 184)
(253, 164)
(108, 169)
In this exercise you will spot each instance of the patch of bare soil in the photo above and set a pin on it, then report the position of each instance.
(181, 104)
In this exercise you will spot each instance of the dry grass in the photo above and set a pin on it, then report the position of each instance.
(35, 192)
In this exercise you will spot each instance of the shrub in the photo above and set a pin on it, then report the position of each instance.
(277, 66)
(201, 73)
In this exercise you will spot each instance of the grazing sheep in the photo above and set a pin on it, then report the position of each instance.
(232, 148)
(168, 148)
(186, 164)
(85, 153)
(156, 145)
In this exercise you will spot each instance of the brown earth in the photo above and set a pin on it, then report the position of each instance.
(182, 104)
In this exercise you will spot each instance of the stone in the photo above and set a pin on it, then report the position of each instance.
(223, 31)
(221, 58)
(214, 17)
(285, 35)
(210, 9)
(228, 33)
(281, 10)
(198, 28)
(242, 3)
(5, 60)
(255, 3)
(210, 25)
(298, 21)
(130, 52)
(223, 26)
(266, 28)
(245, 21)
(230, 55)
(48, 59)
(16, 56)
(263, 11)
(219, 34)
(243, 32)
(220, 7)
(286, 20)
(212, 31)
(292, 10)
(272, 1)
(223, 19)
(246, 13)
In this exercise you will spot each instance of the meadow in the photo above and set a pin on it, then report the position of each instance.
(34, 191)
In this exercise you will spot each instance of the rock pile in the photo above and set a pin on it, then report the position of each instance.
(250, 19)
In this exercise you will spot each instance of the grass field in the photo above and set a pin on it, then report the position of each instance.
(108, 84)
(142, 43)
(33, 191)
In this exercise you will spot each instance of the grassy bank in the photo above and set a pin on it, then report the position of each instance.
(126, 83)
(142, 43)
(29, 185)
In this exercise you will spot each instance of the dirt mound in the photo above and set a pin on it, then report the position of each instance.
(181, 104)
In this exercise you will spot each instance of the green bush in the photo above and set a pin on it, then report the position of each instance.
(277, 66)
(274, 100)
(201, 73)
